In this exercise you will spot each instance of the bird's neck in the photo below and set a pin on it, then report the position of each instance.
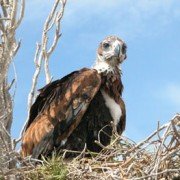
(110, 78)
(103, 66)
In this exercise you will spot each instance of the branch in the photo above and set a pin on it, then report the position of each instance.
(42, 52)
(21, 13)
(53, 20)
(9, 47)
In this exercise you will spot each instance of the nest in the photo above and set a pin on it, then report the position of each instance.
(156, 157)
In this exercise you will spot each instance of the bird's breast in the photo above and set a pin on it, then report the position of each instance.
(113, 107)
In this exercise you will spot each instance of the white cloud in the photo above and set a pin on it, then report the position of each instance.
(128, 18)
(94, 7)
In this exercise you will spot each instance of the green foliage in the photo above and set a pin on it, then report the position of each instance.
(52, 169)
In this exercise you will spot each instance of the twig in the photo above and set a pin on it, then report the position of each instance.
(42, 52)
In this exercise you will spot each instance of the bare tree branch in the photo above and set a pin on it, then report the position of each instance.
(53, 20)
(11, 15)
(44, 50)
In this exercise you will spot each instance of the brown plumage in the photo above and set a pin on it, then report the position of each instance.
(70, 112)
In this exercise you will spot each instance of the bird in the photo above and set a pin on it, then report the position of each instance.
(81, 108)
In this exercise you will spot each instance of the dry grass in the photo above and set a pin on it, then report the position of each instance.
(156, 157)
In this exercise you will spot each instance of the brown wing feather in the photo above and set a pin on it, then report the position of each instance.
(45, 96)
(62, 107)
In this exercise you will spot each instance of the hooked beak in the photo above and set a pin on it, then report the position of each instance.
(114, 53)
(117, 50)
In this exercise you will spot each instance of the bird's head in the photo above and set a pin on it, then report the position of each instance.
(112, 50)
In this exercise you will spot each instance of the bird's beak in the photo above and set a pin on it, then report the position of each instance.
(117, 50)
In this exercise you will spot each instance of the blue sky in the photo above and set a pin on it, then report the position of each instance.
(151, 73)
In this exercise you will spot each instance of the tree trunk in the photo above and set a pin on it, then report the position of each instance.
(11, 14)
(5, 108)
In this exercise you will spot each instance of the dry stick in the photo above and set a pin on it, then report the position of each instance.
(21, 14)
(138, 168)
(7, 31)
(152, 135)
(14, 13)
(134, 155)
(159, 151)
(158, 131)
(55, 18)
(159, 173)
(14, 141)
(160, 147)
(5, 19)
(4, 9)
(170, 154)
(47, 27)
(42, 53)
(2, 130)
(82, 152)
(175, 130)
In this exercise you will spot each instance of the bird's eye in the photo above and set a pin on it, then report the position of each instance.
(106, 45)
(124, 47)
